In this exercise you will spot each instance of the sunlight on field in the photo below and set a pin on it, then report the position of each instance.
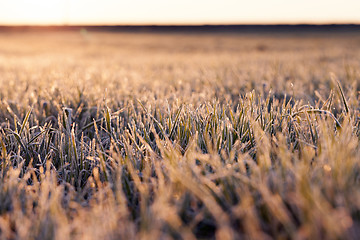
(160, 136)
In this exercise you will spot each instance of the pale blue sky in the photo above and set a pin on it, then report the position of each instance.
(178, 12)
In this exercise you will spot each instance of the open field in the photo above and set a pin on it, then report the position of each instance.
(179, 136)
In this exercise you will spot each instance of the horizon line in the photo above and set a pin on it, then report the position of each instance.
(185, 23)
(181, 24)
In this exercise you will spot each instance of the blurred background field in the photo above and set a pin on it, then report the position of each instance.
(185, 66)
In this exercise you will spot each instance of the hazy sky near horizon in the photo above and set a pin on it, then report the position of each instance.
(45, 12)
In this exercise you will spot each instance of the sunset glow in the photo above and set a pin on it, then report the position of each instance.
(25, 12)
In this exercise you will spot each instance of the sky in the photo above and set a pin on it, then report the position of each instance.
(59, 12)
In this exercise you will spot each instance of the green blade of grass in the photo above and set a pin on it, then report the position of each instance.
(175, 122)
(343, 98)
(25, 121)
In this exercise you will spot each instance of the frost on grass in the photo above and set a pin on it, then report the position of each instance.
(121, 137)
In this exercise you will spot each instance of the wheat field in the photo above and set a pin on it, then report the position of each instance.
(179, 136)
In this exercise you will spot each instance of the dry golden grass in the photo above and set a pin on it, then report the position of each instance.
(185, 136)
